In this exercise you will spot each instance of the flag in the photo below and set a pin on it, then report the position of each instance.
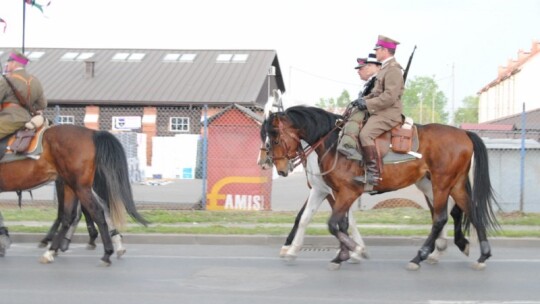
(37, 5)
(4, 22)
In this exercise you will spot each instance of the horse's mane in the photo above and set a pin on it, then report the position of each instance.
(313, 122)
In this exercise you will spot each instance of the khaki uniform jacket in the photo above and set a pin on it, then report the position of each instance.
(13, 118)
(385, 98)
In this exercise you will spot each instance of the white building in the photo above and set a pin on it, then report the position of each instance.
(516, 83)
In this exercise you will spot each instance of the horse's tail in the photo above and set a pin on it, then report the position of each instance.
(111, 180)
(481, 213)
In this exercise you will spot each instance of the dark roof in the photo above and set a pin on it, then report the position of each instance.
(153, 80)
(532, 120)
(248, 112)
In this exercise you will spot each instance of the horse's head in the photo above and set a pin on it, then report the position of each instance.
(282, 142)
(264, 160)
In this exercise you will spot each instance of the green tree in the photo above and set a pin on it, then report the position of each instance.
(424, 102)
(331, 103)
(468, 113)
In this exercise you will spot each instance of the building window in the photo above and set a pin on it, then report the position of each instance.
(65, 120)
(241, 58)
(179, 124)
(35, 55)
(177, 57)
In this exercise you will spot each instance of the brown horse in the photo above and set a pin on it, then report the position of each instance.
(93, 167)
(447, 153)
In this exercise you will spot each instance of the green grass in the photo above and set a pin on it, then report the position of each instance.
(260, 223)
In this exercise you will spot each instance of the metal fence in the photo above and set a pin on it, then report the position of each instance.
(205, 158)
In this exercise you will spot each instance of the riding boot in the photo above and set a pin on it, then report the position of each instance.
(371, 161)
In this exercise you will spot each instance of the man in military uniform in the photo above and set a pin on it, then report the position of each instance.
(348, 145)
(383, 105)
(15, 113)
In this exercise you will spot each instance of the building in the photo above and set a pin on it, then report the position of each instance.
(516, 84)
(154, 92)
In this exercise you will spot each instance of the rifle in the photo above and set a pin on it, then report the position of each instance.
(408, 66)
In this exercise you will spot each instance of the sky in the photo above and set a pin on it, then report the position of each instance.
(460, 43)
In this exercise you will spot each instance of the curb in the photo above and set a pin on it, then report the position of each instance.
(309, 241)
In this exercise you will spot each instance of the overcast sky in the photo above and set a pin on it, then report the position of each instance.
(317, 42)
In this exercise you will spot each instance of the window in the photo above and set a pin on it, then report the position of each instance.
(35, 55)
(69, 56)
(65, 120)
(84, 56)
(232, 58)
(188, 57)
(177, 57)
(224, 57)
(179, 124)
(120, 56)
(240, 57)
(136, 57)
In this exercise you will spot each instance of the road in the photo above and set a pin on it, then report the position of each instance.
(243, 274)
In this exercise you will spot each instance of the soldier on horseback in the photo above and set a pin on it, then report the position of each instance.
(383, 105)
(21, 95)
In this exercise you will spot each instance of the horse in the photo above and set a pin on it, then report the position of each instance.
(318, 191)
(93, 166)
(448, 154)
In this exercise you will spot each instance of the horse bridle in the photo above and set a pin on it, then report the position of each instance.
(301, 154)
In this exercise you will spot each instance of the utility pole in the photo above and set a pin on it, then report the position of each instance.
(453, 94)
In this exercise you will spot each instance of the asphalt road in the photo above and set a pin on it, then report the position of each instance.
(243, 274)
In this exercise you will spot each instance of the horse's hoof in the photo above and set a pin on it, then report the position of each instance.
(413, 266)
(120, 252)
(90, 246)
(334, 266)
(355, 259)
(441, 244)
(43, 244)
(47, 257)
(365, 254)
(466, 250)
(104, 264)
(433, 258)
(479, 266)
(290, 257)
(283, 251)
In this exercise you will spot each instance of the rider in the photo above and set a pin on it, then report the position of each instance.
(348, 145)
(384, 106)
(15, 113)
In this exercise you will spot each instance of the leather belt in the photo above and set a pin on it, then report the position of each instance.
(6, 105)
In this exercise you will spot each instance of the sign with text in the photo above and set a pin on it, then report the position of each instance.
(120, 123)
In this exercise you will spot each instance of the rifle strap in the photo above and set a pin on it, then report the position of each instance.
(18, 95)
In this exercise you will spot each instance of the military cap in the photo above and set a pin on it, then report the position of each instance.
(18, 57)
(385, 42)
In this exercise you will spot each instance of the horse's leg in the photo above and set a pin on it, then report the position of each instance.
(357, 237)
(441, 244)
(70, 200)
(439, 219)
(64, 243)
(95, 207)
(92, 231)
(459, 237)
(292, 234)
(337, 220)
(314, 201)
(5, 241)
(59, 185)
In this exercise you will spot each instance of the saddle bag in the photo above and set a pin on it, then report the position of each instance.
(402, 139)
(22, 140)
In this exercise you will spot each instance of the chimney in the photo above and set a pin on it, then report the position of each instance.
(89, 69)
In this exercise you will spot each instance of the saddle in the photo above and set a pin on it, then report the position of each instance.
(398, 144)
(23, 144)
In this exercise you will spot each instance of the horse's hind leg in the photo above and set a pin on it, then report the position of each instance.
(59, 185)
(95, 207)
(70, 200)
(92, 231)
(66, 240)
(459, 237)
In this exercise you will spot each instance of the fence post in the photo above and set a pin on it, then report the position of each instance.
(522, 160)
(204, 156)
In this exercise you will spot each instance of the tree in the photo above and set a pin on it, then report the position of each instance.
(468, 113)
(331, 103)
(424, 102)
